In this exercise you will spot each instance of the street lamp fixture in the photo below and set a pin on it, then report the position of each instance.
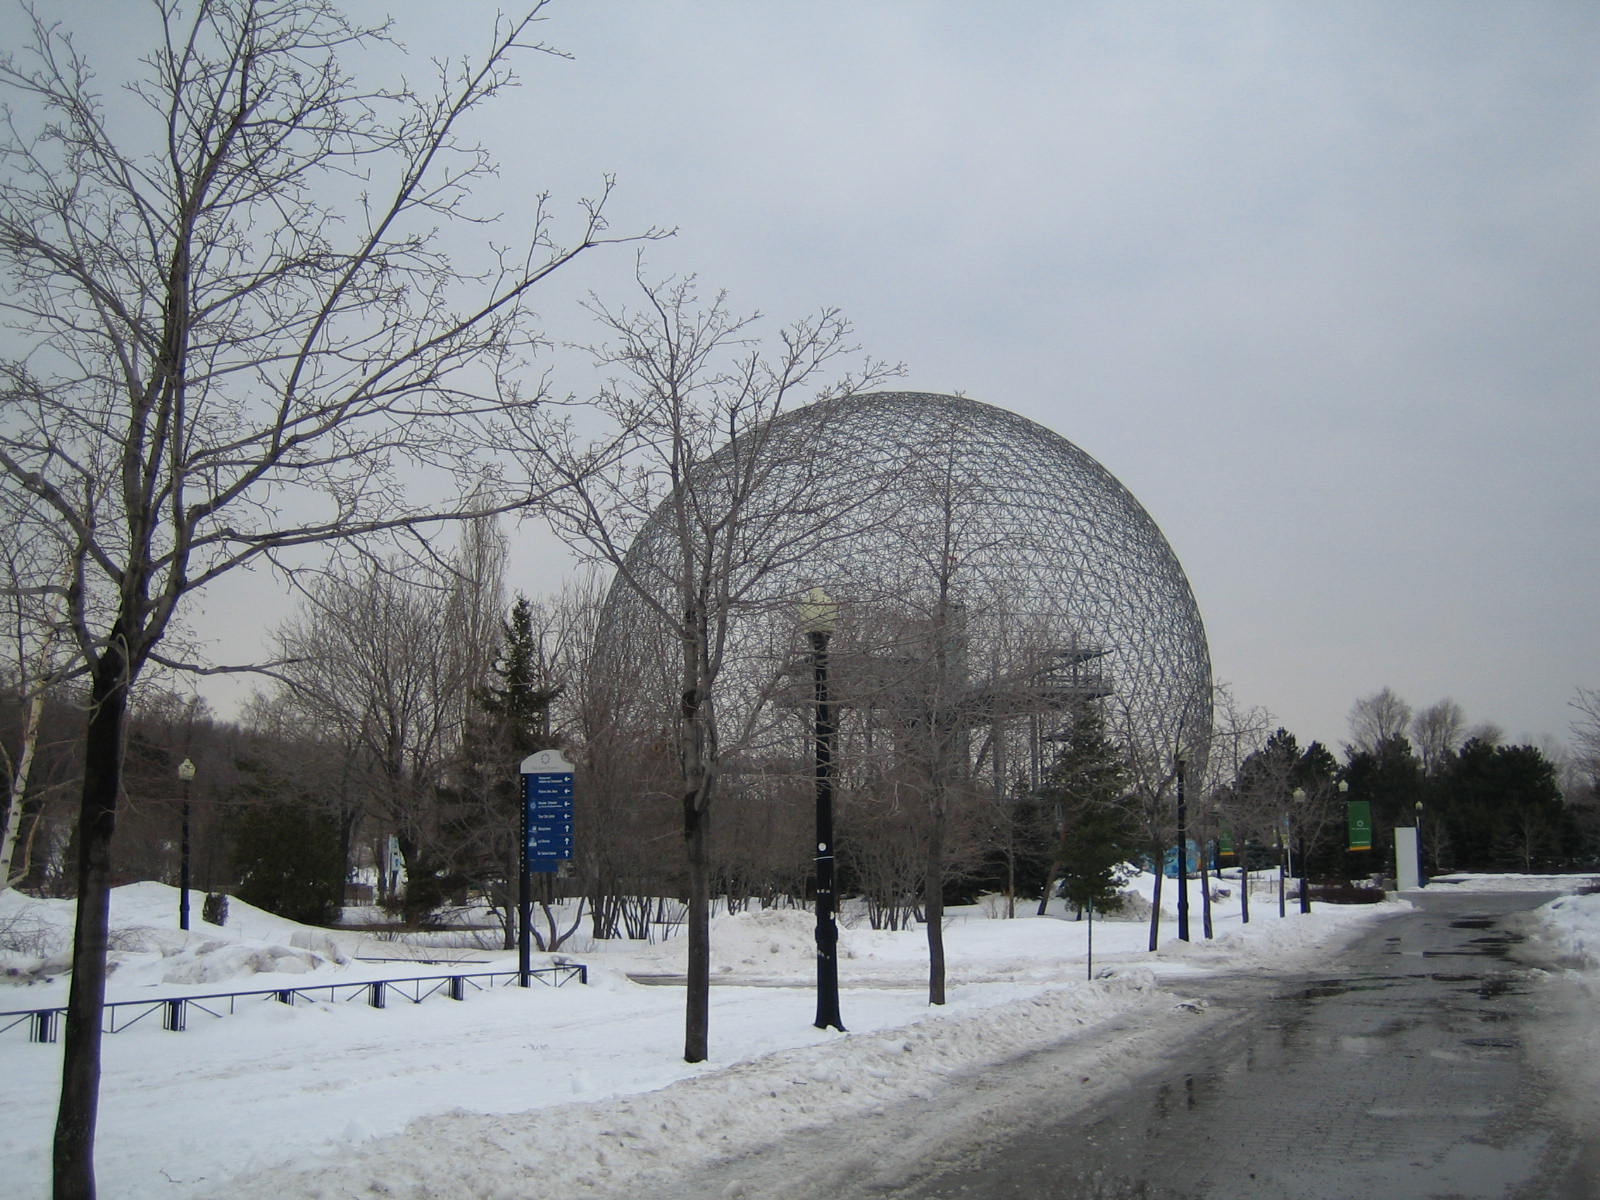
(186, 775)
(819, 617)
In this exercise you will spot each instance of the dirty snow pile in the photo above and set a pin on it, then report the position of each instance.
(1571, 925)
(580, 1091)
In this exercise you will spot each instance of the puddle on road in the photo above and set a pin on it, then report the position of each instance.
(1490, 987)
(1480, 952)
(1494, 946)
(1501, 985)
(1325, 989)
(1498, 943)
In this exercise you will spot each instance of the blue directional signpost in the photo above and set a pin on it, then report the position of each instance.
(546, 810)
(546, 836)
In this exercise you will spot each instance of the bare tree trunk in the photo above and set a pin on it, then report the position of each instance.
(933, 901)
(1282, 870)
(1244, 881)
(25, 754)
(19, 789)
(80, 1060)
(697, 1007)
(1155, 900)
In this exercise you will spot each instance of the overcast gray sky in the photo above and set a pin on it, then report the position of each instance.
(1318, 282)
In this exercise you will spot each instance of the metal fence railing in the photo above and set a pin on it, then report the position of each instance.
(44, 1024)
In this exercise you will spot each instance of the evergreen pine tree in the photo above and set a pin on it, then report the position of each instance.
(1099, 832)
(285, 847)
(518, 702)
(511, 721)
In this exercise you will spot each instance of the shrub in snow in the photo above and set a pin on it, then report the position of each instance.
(23, 931)
(215, 909)
(26, 943)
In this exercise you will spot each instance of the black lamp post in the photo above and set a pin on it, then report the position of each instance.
(1299, 795)
(819, 615)
(186, 774)
(1283, 845)
(1183, 860)
(1353, 858)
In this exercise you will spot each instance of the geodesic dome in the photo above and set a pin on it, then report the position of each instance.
(897, 501)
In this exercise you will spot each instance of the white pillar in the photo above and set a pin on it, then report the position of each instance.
(1405, 858)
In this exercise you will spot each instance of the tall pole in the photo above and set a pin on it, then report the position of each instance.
(186, 774)
(524, 893)
(1300, 847)
(1305, 880)
(827, 928)
(1422, 859)
(1183, 860)
(1089, 961)
(1281, 821)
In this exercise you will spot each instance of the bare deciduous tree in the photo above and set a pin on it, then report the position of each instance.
(695, 386)
(241, 327)
(919, 629)
(1154, 760)
(1486, 732)
(1238, 732)
(1585, 727)
(1581, 772)
(1438, 731)
(365, 660)
(1376, 718)
(626, 820)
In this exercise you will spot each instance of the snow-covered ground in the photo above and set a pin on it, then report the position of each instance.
(582, 1091)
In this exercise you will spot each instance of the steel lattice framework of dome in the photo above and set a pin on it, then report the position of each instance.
(1029, 536)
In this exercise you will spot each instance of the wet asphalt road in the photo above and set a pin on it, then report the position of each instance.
(1400, 1071)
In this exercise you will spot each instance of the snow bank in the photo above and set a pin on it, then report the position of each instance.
(582, 1090)
(1571, 926)
(148, 948)
(615, 1147)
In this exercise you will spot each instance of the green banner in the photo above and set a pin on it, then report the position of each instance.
(1225, 854)
(1360, 825)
